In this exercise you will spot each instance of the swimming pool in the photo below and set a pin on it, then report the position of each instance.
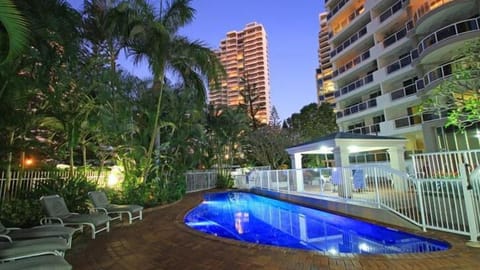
(256, 219)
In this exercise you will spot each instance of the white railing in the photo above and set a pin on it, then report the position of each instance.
(377, 186)
(200, 180)
(27, 181)
(203, 180)
(444, 164)
(445, 204)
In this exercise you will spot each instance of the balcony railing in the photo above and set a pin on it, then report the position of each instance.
(375, 128)
(408, 121)
(398, 35)
(405, 61)
(354, 85)
(357, 60)
(336, 8)
(404, 91)
(349, 41)
(350, 18)
(392, 10)
(449, 31)
(436, 74)
(358, 108)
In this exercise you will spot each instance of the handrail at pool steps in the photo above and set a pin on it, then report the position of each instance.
(442, 204)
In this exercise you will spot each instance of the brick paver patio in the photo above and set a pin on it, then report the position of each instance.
(162, 241)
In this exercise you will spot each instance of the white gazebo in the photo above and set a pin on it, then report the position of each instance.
(342, 144)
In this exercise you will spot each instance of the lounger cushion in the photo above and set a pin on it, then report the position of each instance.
(47, 262)
(55, 206)
(96, 219)
(43, 231)
(99, 198)
(32, 246)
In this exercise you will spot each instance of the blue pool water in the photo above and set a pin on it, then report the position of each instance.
(256, 219)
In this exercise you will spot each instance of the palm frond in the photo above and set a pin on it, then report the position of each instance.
(17, 28)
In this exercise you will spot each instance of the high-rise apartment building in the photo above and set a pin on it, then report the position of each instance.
(244, 55)
(388, 55)
(325, 87)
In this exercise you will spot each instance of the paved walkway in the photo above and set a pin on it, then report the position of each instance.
(162, 241)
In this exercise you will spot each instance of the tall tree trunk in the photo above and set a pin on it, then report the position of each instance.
(10, 160)
(84, 157)
(157, 86)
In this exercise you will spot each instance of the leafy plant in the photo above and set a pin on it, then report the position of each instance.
(224, 181)
(21, 212)
(74, 191)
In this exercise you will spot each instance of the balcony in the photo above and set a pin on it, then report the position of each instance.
(427, 7)
(371, 103)
(349, 41)
(407, 121)
(351, 64)
(405, 61)
(336, 8)
(391, 10)
(436, 74)
(372, 129)
(354, 85)
(449, 31)
(339, 31)
(404, 92)
(390, 40)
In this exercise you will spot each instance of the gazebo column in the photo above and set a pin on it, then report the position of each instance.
(340, 155)
(341, 176)
(297, 166)
(397, 162)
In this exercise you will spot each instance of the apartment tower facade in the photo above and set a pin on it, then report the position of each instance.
(388, 55)
(325, 87)
(244, 55)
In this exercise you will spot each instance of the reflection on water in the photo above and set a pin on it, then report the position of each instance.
(241, 221)
(256, 219)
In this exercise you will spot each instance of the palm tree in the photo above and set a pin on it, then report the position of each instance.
(159, 42)
(16, 27)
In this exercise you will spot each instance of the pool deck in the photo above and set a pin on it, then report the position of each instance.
(162, 241)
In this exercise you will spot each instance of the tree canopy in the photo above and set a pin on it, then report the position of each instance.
(458, 95)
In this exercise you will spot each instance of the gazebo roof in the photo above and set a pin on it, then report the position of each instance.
(352, 141)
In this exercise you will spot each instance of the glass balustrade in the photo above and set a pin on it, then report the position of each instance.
(392, 10)
(403, 62)
(354, 85)
(357, 60)
(404, 92)
(448, 32)
(358, 107)
(349, 41)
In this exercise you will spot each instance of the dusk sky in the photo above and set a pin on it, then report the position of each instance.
(292, 32)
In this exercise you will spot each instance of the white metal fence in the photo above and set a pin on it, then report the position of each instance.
(203, 180)
(450, 204)
(200, 180)
(26, 181)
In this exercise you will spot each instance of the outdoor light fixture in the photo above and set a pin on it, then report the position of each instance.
(28, 162)
(353, 149)
(325, 150)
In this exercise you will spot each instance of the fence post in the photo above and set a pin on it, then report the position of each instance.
(288, 181)
(420, 204)
(467, 194)
(278, 182)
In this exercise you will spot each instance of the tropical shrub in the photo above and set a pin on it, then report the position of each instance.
(21, 212)
(224, 181)
(74, 191)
